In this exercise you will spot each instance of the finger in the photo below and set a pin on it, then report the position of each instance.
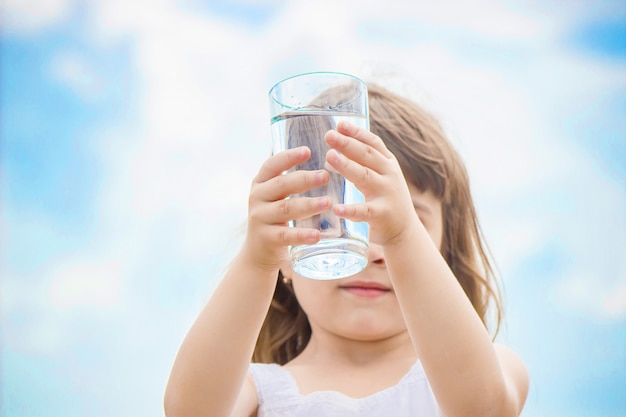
(361, 152)
(282, 211)
(364, 136)
(290, 236)
(284, 185)
(362, 212)
(352, 148)
(363, 177)
(282, 161)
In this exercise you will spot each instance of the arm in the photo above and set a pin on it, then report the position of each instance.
(468, 375)
(211, 365)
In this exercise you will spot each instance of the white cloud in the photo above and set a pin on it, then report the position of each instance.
(31, 16)
(42, 309)
(614, 304)
(203, 131)
(583, 294)
(203, 128)
(77, 74)
(193, 154)
(177, 177)
(591, 228)
(485, 19)
(93, 284)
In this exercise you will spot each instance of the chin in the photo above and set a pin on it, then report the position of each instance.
(369, 331)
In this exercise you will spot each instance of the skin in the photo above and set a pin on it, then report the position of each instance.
(350, 328)
(359, 345)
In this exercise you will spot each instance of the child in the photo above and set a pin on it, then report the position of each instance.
(405, 337)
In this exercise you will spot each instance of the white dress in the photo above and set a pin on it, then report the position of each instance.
(278, 396)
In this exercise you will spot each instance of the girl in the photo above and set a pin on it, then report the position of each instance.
(405, 337)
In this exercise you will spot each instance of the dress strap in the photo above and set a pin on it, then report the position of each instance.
(274, 386)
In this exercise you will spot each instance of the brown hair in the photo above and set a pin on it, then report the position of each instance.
(429, 162)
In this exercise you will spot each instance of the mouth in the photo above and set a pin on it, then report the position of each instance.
(365, 289)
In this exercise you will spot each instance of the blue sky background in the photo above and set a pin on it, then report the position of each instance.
(130, 131)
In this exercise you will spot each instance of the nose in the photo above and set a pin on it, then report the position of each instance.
(376, 255)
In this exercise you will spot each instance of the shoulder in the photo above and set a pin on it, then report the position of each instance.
(247, 401)
(263, 373)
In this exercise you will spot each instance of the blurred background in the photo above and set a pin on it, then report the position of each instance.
(130, 132)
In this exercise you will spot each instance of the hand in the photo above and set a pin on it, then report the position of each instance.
(363, 159)
(269, 210)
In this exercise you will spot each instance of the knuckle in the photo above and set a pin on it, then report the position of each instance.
(308, 179)
(283, 236)
(254, 195)
(254, 217)
(279, 181)
(365, 177)
(266, 166)
(284, 206)
(315, 203)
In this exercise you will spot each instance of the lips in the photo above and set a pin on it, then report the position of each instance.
(365, 289)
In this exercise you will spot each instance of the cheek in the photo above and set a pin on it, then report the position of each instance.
(309, 293)
(320, 301)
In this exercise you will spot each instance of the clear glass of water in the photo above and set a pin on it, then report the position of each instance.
(303, 108)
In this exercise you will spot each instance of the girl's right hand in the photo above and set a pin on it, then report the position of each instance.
(269, 210)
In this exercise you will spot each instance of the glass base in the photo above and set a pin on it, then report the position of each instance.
(330, 258)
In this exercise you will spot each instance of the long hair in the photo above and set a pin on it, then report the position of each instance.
(429, 162)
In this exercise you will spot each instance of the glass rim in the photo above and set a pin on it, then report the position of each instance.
(305, 74)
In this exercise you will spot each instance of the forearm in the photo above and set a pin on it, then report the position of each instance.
(211, 365)
(450, 339)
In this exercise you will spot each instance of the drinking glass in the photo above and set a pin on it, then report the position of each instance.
(303, 108)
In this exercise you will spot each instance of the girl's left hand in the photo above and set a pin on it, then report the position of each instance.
(362, 158)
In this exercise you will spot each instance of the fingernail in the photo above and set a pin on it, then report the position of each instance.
(345, 125)
(323, 202)
(335, 157)
(332, 136)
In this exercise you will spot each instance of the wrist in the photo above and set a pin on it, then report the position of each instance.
(405, 237)
(409, 230)
(257, 261)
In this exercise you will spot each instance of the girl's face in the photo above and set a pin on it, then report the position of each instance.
(364, 306)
